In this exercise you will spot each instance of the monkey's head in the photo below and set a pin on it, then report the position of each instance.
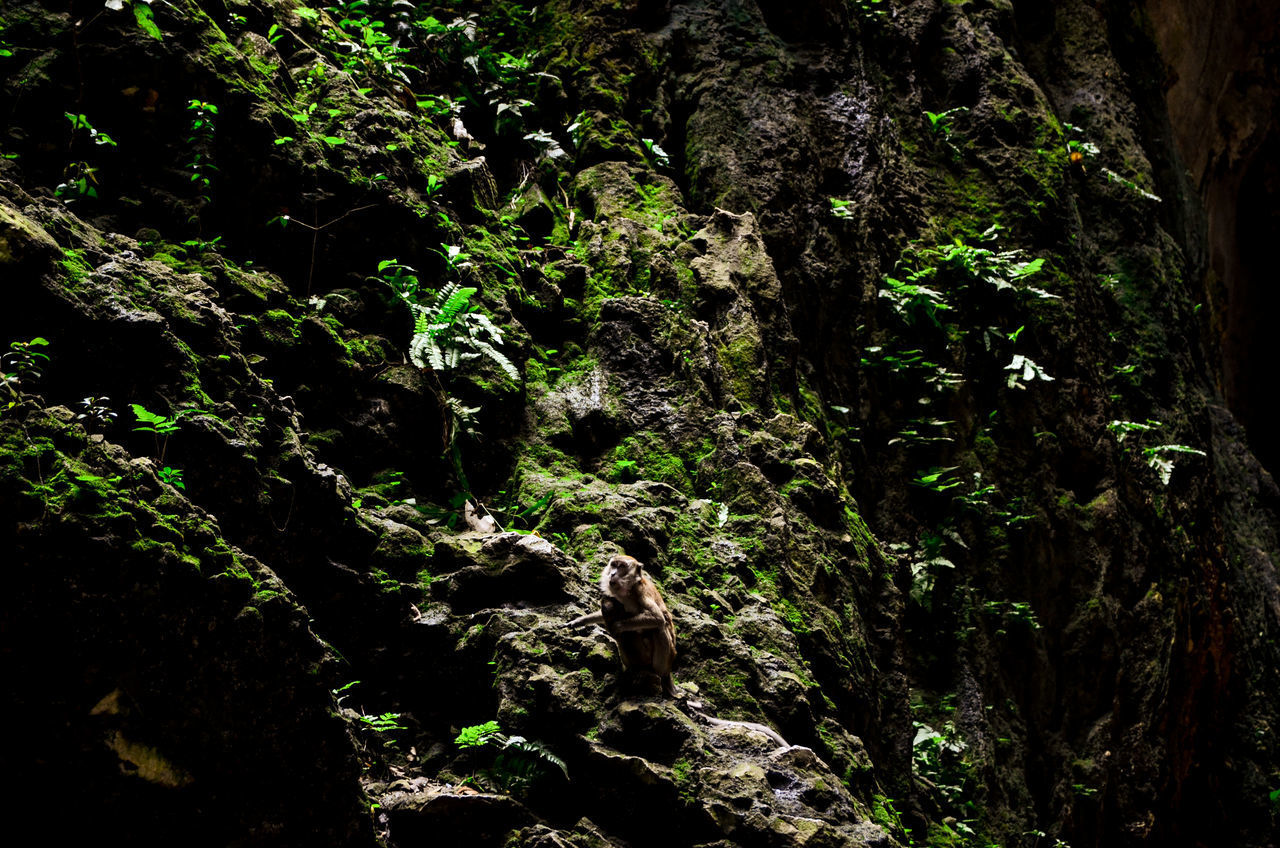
(621, 576)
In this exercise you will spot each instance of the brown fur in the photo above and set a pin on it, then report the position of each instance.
(632, 610)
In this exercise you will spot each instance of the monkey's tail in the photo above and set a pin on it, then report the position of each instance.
(697, 713)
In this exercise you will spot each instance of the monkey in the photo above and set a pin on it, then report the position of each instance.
(632, 610)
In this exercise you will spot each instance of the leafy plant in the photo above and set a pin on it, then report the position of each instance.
(201, 165)
(1159, 457)
(1020, 611)
(448, 331)
(927, 562)
(940, 124)
(939, 758)
(869, 9)
(519, 763)
(19, 367)
(477, 735)
(80, 122)
(659, 155)
(172, 476)
(94, 410)
(935, 479)
(384, 723)
(1023, 370)
(159, 425)
(142, 13)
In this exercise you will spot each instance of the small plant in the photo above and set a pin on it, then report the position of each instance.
(80, 122)
(1019, 611)
(172, 476)
(939, 758)
(158, 425)
(660, 157)
(1123, 429)
(201, 165)
(519, 764)
(94, 410)
(869, 9)
(935, 479)
(927, 562)
(1161, 461)
(79, 176)
(1159, 457)
(1024, 370)
(940, 124)
(20, 367)
(478, 735)
(448, 332)
(141, 13)
(1080, 152)
(840, 208)
(384, 723)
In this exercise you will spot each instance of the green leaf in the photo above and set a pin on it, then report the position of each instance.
(146, 20)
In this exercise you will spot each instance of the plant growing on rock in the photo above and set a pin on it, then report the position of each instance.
(79, 177)
(520, 763)
(1159, 457)
(20, 367)
(142, 13)
(201, 164)
(448, 331)
(94, 410)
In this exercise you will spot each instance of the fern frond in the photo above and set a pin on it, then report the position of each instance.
(434, 354)
(482, 320)
(420, 347)
(498, 359)
(449, 307)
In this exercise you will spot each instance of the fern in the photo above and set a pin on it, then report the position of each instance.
(447, 333)
(519, 764)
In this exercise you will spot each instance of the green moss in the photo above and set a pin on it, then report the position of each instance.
(647, 457)
(74, 263)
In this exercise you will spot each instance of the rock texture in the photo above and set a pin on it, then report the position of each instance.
(888, 335)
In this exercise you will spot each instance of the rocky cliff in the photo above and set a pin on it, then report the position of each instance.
(910, 345)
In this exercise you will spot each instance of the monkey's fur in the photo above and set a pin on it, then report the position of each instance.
(632, 610)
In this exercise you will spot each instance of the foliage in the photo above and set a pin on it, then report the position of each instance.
(201, 165)
(172, 476)
(94, 410)
(1023, 370)
(927, 562)
(447, 330)
(939, 758)
(142, 13)
(941, 126)
(519, 763)
(478, 735)
(1159, 457)
(659, 155)
(79, 177)
(380, 723)
(19, 367)
(384, 723)
(159, 425)
(869, 9)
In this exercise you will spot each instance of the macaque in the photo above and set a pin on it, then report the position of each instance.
(633, 612)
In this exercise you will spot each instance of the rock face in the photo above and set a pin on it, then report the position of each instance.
(888, 335)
